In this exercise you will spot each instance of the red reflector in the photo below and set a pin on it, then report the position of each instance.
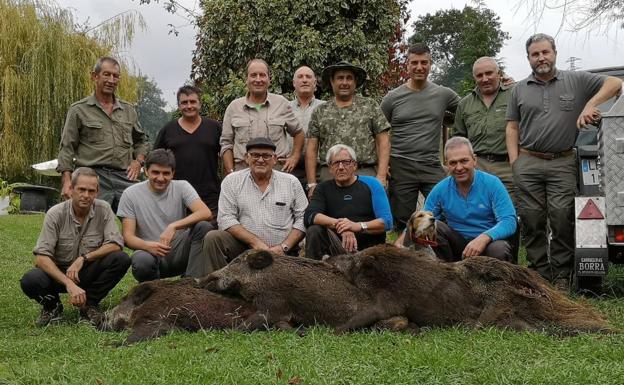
(591, 211)
(619, 235)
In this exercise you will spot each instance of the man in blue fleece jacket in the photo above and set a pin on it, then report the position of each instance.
(476, 209)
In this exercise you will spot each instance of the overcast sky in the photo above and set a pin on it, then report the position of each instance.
(167, 58)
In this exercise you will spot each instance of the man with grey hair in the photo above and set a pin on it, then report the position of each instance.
(304, 82)
(544, 114)
(473, 209)
(347, 213)
(260, 113)
(480, 117)
(103, 132)
(79, 251)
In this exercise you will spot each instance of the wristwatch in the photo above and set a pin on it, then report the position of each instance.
(285, 248)
(141, 162)
(364, 226)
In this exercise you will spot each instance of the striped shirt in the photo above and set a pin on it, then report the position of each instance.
(269, 215)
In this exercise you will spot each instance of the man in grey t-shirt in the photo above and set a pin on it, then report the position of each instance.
(155, 223)
(544, 114)
(415, 111)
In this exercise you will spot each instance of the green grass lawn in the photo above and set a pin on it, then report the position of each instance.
(74, 353)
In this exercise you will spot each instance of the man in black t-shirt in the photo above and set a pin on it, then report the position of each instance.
(194, 141)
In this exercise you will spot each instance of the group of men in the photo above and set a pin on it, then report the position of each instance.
(512, 150)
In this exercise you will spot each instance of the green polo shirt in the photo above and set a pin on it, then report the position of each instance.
(484, 126)
(93, 138)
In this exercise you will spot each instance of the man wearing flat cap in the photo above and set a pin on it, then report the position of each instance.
(348, 119)
(259, 208)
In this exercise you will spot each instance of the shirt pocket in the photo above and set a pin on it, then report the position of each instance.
(90, 242)
(281, 216)
(64, 249)
(277, 134)
(242, 130)
(125, 133)
(566, 102)
(92, 131)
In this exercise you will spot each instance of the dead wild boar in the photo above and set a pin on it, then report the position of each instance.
(293, 291)
(477, 291)
(154, 308)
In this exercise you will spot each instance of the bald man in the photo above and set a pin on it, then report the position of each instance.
(304, 82)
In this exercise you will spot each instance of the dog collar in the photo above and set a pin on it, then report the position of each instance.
(426, 242)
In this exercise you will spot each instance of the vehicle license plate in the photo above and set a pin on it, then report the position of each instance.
(591, 175)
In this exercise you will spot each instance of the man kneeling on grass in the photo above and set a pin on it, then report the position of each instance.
(79, 251)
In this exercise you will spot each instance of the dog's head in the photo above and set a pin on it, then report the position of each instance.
(421, 226)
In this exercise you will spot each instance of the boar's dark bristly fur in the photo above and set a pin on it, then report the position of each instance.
(478, 291)
(292, 291)
(154, 308)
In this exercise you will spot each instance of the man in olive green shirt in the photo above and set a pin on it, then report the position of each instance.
(480, 117)
(103, 132)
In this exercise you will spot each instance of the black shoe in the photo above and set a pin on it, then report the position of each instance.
(47, 317)
(91, 314)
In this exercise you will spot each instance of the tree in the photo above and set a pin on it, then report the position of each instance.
(150, 107)
(289, 33)
(456, 39)
(44, 68)
(580, 14)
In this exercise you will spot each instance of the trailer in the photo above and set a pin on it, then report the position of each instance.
(599, 205)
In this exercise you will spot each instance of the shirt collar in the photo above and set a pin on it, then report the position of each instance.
(72, 214)
(253, 105)
(559, 75)
(92, 100)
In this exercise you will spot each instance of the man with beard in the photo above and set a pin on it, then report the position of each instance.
(544, 114)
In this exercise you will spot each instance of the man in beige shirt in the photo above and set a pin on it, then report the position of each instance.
(79, 251)
(260, 114)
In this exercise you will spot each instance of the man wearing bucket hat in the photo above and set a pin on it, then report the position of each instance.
(348, 119)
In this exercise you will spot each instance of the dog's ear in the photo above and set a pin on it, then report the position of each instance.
(260, 259)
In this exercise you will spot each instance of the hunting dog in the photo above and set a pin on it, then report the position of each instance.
(421, 230)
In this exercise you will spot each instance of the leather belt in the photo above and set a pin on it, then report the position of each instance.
(106, 168)
(494, 157)
(548, 155)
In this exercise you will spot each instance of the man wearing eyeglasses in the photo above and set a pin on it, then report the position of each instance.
(349, 212)
(259, 208)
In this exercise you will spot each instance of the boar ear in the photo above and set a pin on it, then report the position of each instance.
(141, 292)
(260, 259)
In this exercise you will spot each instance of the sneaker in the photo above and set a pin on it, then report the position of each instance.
(91, 314)
(562, 285)
(47, 317)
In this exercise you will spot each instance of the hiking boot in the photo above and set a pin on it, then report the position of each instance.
(91, 314)
(562, 285)
(47, 317)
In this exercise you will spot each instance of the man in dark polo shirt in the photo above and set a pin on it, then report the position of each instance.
(103, 132)
(544, 114)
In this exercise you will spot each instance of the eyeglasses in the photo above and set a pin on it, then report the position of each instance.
(256, 155)
(343, 162)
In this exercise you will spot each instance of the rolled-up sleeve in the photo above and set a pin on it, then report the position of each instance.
(226, 141)
(48, 237)
(69, 142)
(111, 231)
